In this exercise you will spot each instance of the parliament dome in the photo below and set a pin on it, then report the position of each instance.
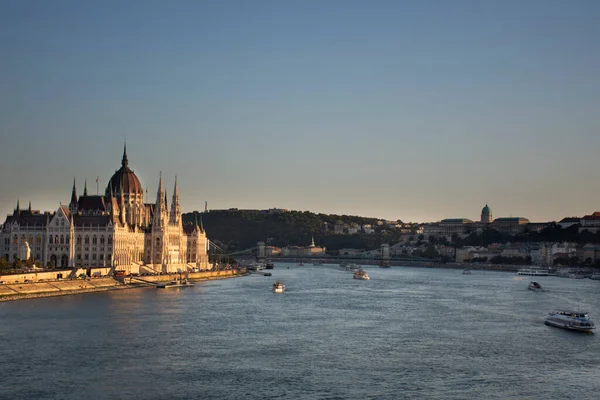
(124, 179)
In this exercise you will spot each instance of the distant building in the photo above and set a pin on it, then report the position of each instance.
(591, 252)
(536, 226)
(117, 229)
(510, 225)
(590, 222)
(449, 226)
(299, 251)
(486, 215)
(569, 221)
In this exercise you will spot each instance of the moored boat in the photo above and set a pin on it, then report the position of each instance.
(571, 320)
(595, 276)
(256, 266)
(466, 272)
(361, 274)
(175, 283)
(534, 286)
(278, 287)
(350, 267)
(533, 271)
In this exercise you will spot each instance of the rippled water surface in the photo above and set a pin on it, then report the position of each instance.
(406, 333)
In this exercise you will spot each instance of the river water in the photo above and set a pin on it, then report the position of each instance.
(407, 333)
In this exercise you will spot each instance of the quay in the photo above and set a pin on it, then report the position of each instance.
(22, 290)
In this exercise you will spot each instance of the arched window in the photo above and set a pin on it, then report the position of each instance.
(101, 239)
(50, 239)
(94, 240)
(87, 239)
(109, 239)
(79, 240)
(16, 240)
(62, 239)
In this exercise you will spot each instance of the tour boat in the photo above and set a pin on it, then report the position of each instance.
(572, 320)
(278, 287)
(269, 265)
(361, 274)
(350, 267)
(175, 283)
(534, 286)
(533, 271)
(256, 266)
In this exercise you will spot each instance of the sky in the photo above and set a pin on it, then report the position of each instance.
(411, 110)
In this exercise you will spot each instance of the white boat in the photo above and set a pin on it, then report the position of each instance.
(534, 286)
(533, 271)
(595, 276)
(278, 287)
(175, 283)
(466, 272)
(571, 320)
(350, 267)
(361, 274)
(255, 267)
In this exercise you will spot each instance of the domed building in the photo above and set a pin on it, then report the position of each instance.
(486, 215)
(126, 185)
(116, 231)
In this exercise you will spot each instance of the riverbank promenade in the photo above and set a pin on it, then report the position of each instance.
(32, 290)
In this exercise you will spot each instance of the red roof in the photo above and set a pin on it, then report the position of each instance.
(594, 216)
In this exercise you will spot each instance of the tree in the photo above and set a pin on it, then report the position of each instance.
(4, 265)
(17, 264)
(29, 263)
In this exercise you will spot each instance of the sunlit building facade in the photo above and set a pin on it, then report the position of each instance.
(118, 230)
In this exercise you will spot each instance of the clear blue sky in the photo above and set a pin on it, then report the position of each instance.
(412, 110)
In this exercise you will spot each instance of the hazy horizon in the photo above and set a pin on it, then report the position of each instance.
(417, 111)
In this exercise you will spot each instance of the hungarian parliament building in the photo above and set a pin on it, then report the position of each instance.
(116, 230)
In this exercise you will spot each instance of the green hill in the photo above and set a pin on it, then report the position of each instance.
(241, 229)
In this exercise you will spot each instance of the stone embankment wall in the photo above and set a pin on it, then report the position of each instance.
(16, 291)
(31, 290)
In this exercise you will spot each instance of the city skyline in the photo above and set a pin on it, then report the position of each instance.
(417, 111)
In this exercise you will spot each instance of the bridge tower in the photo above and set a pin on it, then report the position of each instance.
(385, 255)
(261, 251)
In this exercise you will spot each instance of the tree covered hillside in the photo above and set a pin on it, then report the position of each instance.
(242, 229)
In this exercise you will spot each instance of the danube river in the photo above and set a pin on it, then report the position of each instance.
(407, 333)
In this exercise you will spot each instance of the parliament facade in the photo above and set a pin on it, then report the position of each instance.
(117, 230)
